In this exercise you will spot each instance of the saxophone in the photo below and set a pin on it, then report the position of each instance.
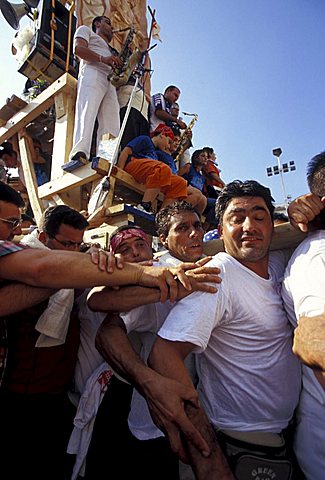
(182, 142)
(120, 75)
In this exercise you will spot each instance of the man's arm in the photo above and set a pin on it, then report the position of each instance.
(18, 296)
(167, 358)
(63, 269)
(123, 157)
(104, 299)
(309, 344)
(168, 396)
(167, 117)
(82, 51)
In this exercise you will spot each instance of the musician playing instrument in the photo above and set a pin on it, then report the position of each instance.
(160, 108)
(96, 97)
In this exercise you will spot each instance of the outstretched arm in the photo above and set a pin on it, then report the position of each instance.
(105, 299)
(18, 296)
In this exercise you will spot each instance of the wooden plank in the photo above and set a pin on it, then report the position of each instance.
(66, 83)
(77, 178)
(284, 236)
(12, 106)
(26, 149)
(63, 132)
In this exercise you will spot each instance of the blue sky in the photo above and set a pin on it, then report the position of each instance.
(254, 72)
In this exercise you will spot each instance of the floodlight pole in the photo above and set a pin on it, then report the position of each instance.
(277, 152)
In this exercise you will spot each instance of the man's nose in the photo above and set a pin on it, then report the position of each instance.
(248, 224)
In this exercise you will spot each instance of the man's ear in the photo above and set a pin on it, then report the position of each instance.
(164, 240)
(42, 236)
(219, 230)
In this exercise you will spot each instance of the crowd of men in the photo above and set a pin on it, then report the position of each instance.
(171, 365)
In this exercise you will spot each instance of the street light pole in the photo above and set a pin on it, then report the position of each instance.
(280, 169)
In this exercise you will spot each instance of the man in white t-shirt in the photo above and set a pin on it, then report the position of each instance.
(180, 230)
(249, 379)
(96, 96)
(303, 293)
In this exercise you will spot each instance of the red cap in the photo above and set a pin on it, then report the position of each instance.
(162, 128)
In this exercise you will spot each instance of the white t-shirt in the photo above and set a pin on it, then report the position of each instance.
(303, 293)
(98, 45)
(249, 379)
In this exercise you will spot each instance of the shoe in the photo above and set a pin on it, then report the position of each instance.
(81, 156)
(77, 161)
(143, 209)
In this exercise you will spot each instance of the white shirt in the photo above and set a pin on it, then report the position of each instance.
(95, 43)
(249, 378)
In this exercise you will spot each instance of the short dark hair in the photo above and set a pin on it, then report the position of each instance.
(54, 217)
(208, 150)
(97, 19)
(316, 174)
(237, 188)
(10, 195)
(164, 215)
(6, 148)
(171, 87)
(195, 156)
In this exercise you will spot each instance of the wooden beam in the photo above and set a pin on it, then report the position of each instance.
(26, 149)
(77, 178)
(66, 83)
(63, 132)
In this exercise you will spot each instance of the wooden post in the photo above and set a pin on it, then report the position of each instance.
(27, 153)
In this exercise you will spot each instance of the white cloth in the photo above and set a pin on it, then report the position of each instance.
(303, 293)
(54, 322)
(84, 420)
(146, 321)
(96, 96)
(88, 357)
(249, 378)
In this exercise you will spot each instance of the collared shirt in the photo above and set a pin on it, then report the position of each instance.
(6, 248)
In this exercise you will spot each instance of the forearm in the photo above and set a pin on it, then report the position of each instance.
(122, 300)
(86, 54)
(17, 297)
(114, 345)
(165, 116)
(62, 269)
(123, 157)
(206, 468)
(309, 341)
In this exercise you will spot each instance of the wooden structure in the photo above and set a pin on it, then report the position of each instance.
(70, 188)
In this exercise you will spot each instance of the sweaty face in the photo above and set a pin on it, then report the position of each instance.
(10, 212)
(247, 230)
(185, 237)
(67, 238)
(134, 250)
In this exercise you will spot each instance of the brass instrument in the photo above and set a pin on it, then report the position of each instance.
(183, 138)
(120, 75)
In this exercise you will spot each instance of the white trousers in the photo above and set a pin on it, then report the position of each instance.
(96, 97)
